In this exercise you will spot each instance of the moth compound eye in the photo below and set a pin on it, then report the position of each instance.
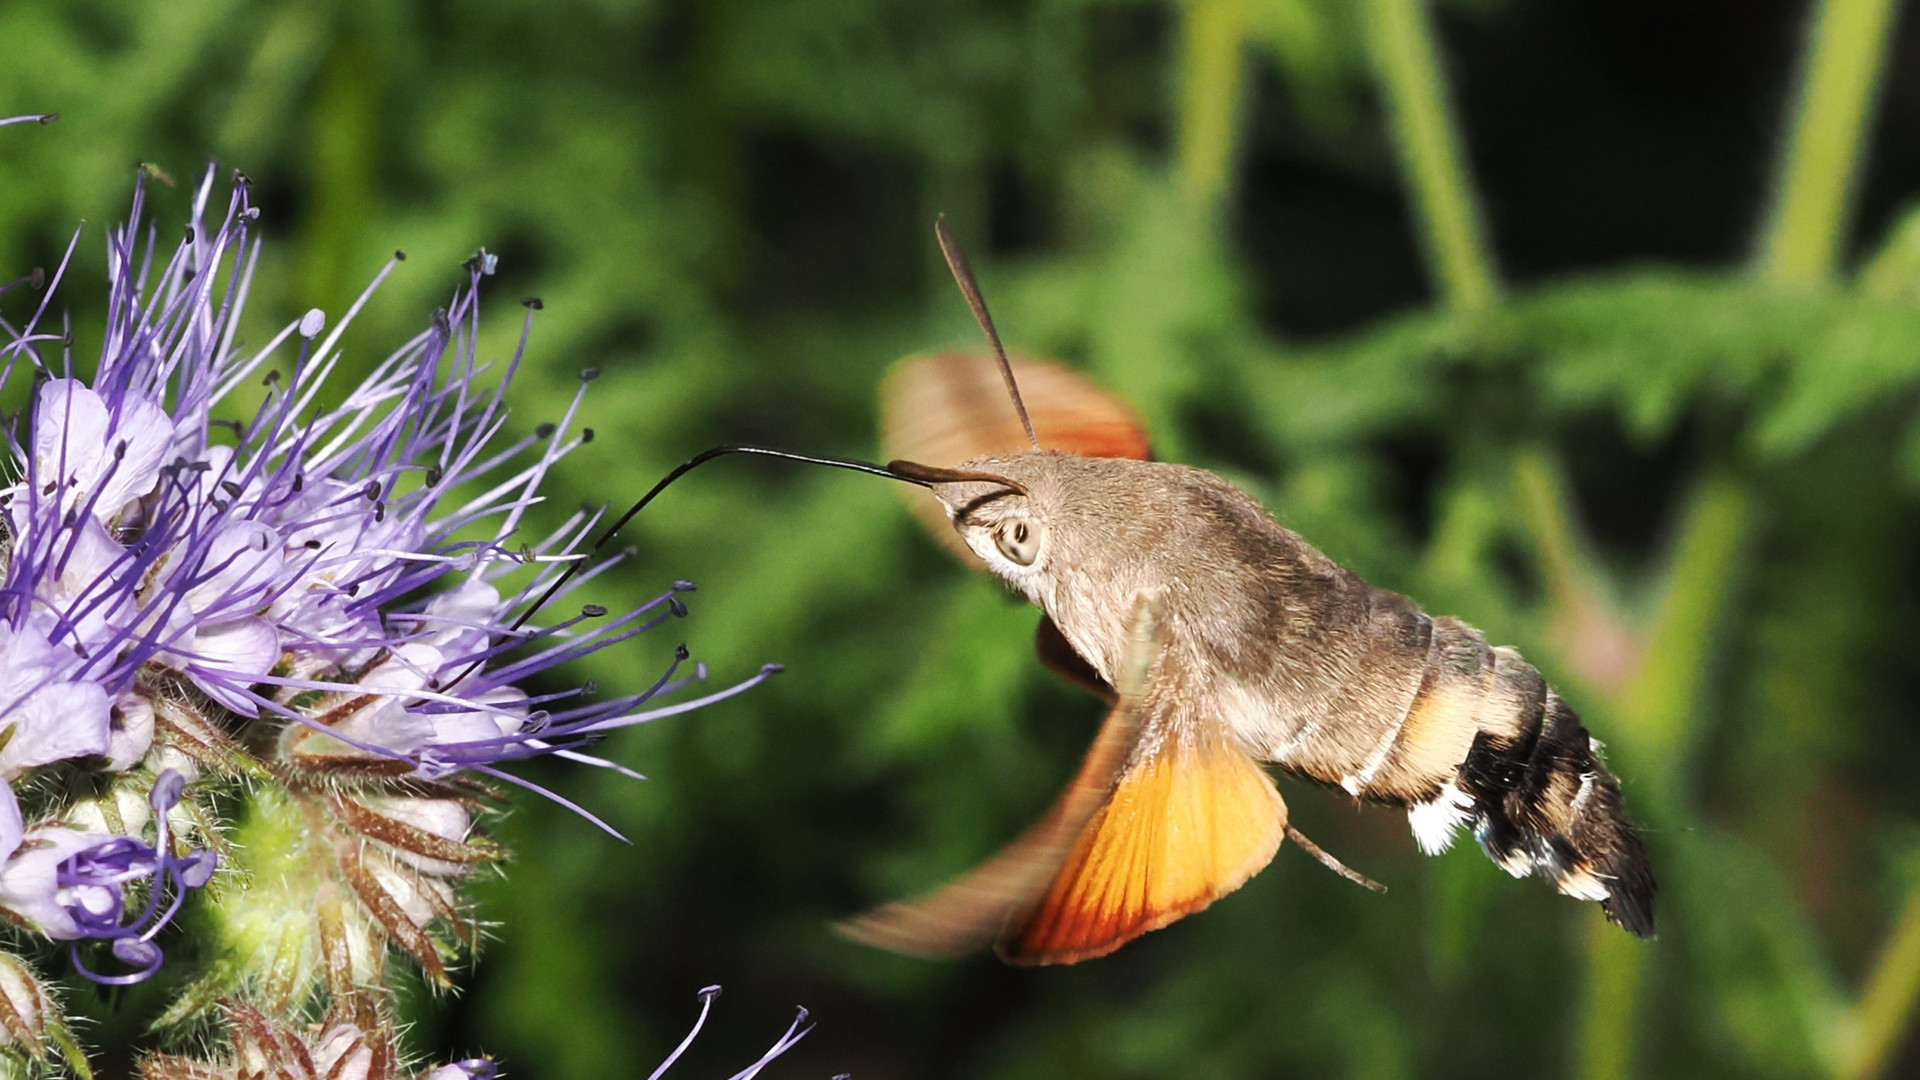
(1018, 541)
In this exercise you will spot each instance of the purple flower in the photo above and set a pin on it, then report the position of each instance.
(329, 593)
(795, 1032)
(470, 1069)
(286, 565)
(72, 884)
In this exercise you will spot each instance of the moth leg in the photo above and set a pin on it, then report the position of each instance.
(1060, 657)
(1327, 860)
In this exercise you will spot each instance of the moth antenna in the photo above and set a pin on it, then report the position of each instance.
(680, 470)
(1332, 863)
(970, 288)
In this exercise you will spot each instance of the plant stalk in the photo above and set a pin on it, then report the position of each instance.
(1886, 1005)
(1211, 79)
(1814, 187)
(1401, 40)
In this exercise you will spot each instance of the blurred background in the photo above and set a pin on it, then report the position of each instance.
(1593, 322)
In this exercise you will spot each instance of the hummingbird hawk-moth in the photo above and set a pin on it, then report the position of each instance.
(1225, 643)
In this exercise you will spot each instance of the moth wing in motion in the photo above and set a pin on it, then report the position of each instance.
(1189, 820)
(971, 911)
(946, 408)
(1158, 823)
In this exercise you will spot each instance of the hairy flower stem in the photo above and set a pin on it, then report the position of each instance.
(1425, 133)
(1813, 191)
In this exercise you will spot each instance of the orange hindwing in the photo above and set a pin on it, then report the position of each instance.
(1190, 820)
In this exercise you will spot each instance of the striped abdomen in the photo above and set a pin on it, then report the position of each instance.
(1483, 739)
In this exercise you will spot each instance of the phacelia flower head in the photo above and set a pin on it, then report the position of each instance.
(329, 595)
(265, 635)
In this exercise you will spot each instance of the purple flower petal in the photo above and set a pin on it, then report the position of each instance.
(101, 457)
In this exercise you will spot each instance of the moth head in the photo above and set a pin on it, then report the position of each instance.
(995, 506)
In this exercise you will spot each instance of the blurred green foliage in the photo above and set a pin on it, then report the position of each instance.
(1672, 453)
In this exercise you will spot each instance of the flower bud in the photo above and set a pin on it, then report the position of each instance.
(325, 883)
(30, 1018)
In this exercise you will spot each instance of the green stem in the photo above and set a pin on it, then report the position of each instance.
(1814, 188)
(1616, 961)
(1400, 38)
(1655, 714)
(1886, 1006)
(1546, 512)
(1653, 720)
(1211, 64)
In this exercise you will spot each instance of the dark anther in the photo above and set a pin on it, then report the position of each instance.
(242, 179)
(683, 585)
(37, 278)
(299, 481)
(586, 435)
(589, 687)
(533, 303)
(587, 509)
(433, 475)
(120, 450)
(231, 425)
(674, 605)
(379, 512)
(48, 118)
(681, 652)
(48, 490)
(231, 488)
(399, 256)
(272, 378)
(353, 589)
(708, 993)
(72, 515)
(218, 506)
(440, 323)
(772, 669)
(372, 490)
(312, 545)
(199, 466)
(80, 651)
(544, 431)
(588, 374)
(593, 611)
